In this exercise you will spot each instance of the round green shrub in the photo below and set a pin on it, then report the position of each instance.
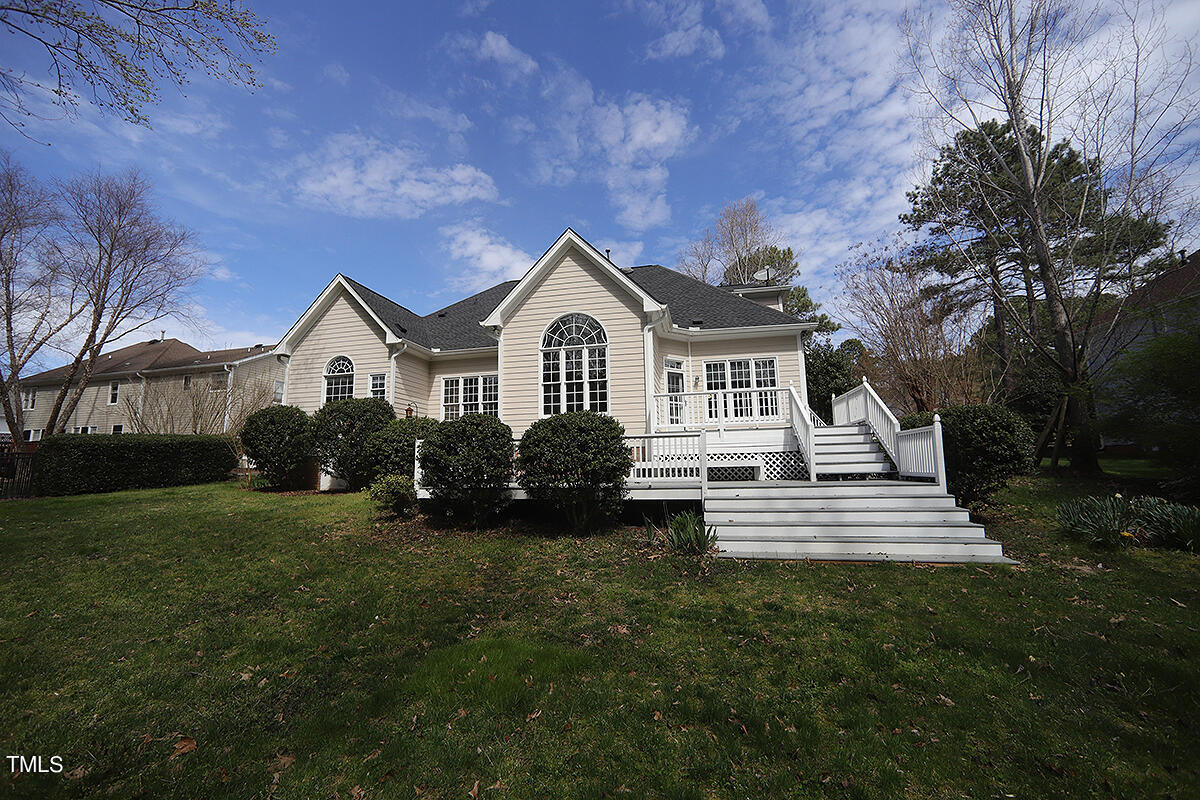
(391, 449)
(577, 462)
(279, 440)
(394, 494)
(340, 432)
(985, 446)
(466, 464)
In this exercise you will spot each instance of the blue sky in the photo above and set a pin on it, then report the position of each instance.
(432, 149)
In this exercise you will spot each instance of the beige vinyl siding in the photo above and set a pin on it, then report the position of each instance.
(452, 367)
(92, 410)
(574, 284)
(412, 385)
(343, 330)
(266, 369)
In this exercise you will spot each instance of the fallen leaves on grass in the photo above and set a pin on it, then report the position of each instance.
(185, 745)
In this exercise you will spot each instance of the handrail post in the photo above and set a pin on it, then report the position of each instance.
(939, 454)
(721, 411)
(703, 464)
(417, 463)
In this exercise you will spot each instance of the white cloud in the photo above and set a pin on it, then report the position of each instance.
(406, 106)
(745, 15)
(202, 122)
(360, 176)
(489, 257)
(223, 274)
(627, 143)
(277, 85)
(337, 73)
(624, 254)
(514, 64)
(473, 8)
(277, 137)
(684, 32)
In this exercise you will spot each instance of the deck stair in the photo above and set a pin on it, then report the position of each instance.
(875, 520)
(849, 450)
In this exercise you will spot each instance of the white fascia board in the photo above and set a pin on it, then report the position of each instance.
(569, 239)
(776, 289)
(443, 355)
(320, 306)
(255, 357)
(751, 331)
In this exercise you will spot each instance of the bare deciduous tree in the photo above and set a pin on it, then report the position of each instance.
(1115, 88)
(919, 345)
(729, 251)
(131, 267)
(41, 298)
(117, 51)
(214, 405)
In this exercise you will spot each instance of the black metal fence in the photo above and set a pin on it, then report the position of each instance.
(15, 473)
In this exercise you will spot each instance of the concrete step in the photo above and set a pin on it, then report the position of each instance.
(937, 551)
(741, 531)
(815, 501)
(858, 516)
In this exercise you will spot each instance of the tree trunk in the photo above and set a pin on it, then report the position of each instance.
(1003, 351)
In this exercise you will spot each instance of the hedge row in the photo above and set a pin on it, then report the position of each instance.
(75, 464)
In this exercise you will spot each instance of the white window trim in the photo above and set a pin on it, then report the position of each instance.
(28, 399)
(459, 378)
(114, 385)
(114, 432)
(753, 378)
(325, 376)
(562, 381)
(35, 434)
(371, 385)
(85, 430)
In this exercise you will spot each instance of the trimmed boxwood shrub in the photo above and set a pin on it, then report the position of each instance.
(985, 446)
(576, 462)
(278, 439)
(341, 430)
(466, 464)
(391, 449)
(76, 464)
(394, 494)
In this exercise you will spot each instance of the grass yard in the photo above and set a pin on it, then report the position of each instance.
(208, 642)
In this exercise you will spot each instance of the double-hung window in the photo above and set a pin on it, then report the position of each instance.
(114, 392)
(379, 385)
(33, 434)
(339, 379)
(277, 396)
(470, 394)
(28, 399)
(732, 383)
(574, 366)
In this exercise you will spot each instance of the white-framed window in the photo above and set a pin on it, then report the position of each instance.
(218, 382)
(32, 434)
(379, 385)
(277, 397)
(187, 382)
(118, 430)
(470, 394)
(731, 376)
(28, 399)
(84, 429)
(339, 379)
(673, 378)
(114, 392)
(574, 366)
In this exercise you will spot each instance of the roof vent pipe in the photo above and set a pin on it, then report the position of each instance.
(608, 253)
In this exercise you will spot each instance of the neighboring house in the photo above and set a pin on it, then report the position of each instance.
(159, 386)
(708, 382)
(1166, 304)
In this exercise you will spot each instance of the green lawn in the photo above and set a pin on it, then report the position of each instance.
(308, 652)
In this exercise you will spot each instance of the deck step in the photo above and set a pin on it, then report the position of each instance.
(882, 467)
(818, 516)
(838, 457)
(813, 489)
(832, 502)
(933, 550)
(742, 531)
(846, 438)
(824, 448)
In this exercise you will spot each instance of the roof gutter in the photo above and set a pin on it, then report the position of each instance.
(747, 331)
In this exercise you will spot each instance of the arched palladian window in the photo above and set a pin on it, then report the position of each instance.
(574, 366)
(339, 379)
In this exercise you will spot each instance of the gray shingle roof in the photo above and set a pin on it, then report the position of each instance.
(695, 304)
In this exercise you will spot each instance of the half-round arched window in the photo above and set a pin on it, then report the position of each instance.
(339, 379)
(574, 365)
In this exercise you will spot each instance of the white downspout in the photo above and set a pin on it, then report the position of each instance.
(648, 358)
(141, 402)
(228, 396)
(286, 361)
(392, 372)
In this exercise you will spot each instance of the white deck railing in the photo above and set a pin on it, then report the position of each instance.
(920, 453)
(803, 426)
(862, 404)
(917, 452)
(674, 458)
(721, 408)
